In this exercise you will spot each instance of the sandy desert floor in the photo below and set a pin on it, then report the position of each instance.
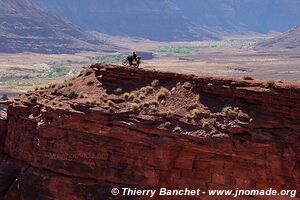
(229, 58)
(262, 65)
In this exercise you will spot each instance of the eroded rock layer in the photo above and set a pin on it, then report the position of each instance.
(84, 150)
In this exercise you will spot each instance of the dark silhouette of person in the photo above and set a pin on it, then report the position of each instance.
(131, 58)
(134, 56)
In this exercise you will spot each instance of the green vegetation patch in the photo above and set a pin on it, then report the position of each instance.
(59, 71)
(175, 51)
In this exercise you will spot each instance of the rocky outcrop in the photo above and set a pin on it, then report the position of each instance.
(83, 151)
(3, 130)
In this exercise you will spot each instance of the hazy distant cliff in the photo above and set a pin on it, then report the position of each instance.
(178, 19)
(26, 26)
(152, 19)
(260, 16)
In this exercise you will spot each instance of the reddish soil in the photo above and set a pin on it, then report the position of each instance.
(180, 108)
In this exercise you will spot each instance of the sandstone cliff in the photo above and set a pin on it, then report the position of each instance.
(114, 127)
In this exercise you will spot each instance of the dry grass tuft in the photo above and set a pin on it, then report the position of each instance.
(177, 129)
(270, 84)
(110, 103)
(195, 113)
(161, 95)
(155, 83)
(135, 106)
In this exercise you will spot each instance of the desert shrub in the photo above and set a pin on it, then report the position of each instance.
(146, 90)
(126, 95)
(231, 111)
(161, 95)
(208, 123)
(195, 113)
(167, 124)
(248, 78)
(177, 129)
(131, 96)
(110, 103)
(270, 84)
(227, 110)
(71, 93)
(135, 106)
(142, 97)
(155, 83)
(143, 90)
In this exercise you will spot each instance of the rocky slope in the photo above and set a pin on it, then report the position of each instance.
(114, 127)
(25, 26)
(289, 39)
